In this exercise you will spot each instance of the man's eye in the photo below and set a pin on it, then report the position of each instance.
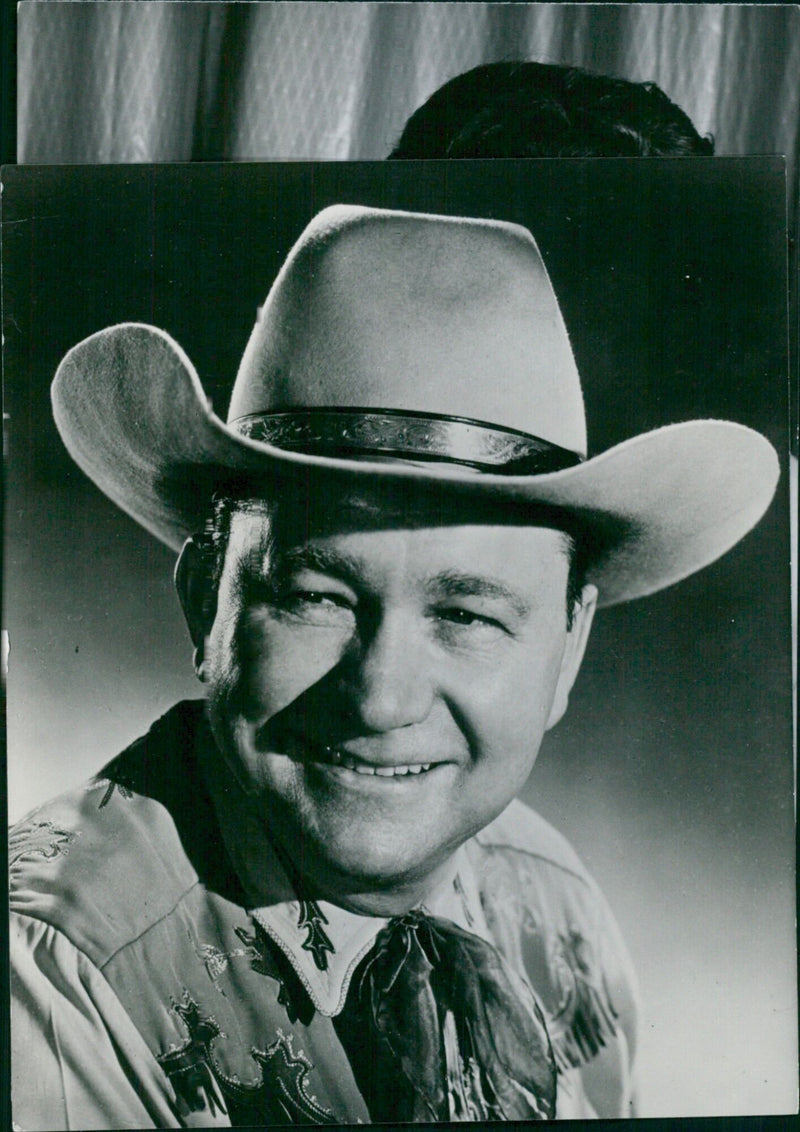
(319, 607)
(315, 597)
(469, 619)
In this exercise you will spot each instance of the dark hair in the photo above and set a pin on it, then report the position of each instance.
(212, 542)
(524, 109)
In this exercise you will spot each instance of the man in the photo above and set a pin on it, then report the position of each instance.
(314, 898)
(527, 109)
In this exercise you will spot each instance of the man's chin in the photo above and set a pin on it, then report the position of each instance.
(368, 876)
(367, 865)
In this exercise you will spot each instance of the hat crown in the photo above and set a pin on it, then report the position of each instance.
(424, 314)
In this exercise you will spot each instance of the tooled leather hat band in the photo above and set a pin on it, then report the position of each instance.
(395, 433)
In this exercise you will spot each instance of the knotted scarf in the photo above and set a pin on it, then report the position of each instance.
(440, 1028)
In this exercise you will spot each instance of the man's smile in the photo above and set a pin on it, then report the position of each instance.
(338, 756)
(354, 776)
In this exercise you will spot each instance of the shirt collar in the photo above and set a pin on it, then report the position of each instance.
(323, 942)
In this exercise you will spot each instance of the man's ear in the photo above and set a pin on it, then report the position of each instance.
(575, 647)
(196, 592)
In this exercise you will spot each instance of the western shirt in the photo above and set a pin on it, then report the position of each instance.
(166, 974)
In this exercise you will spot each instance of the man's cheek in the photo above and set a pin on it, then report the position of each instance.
(514, 700)
(290, 663)
(234, 682)
(244, 672)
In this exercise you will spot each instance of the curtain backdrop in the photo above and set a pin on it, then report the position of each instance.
(152, 81)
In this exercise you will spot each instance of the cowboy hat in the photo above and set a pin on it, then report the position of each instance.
(419, 349)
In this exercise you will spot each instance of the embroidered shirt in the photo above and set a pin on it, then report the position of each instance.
(165, 973)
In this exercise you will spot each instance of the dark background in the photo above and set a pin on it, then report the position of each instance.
(672, 772)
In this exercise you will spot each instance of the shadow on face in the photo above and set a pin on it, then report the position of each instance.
(380, 669)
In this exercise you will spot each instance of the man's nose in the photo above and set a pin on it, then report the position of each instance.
(390, 678)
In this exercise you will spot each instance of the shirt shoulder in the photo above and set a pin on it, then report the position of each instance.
(77, 1060)
(105, 862)
(533, 882)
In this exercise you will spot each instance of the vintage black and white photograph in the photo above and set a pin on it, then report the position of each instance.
(397, 578)
(400, 682)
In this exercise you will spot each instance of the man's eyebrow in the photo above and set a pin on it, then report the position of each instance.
(452, 583)
(317, 558)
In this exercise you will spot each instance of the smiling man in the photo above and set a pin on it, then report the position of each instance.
(312, 897)
(380, 679)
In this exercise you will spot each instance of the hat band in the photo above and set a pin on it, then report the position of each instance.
(391, 433)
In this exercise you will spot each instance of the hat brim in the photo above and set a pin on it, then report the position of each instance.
(133, 415)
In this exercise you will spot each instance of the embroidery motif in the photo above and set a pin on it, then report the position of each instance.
(264, 962)
(189, 1066)
(287, 1071)
(202, 1032)
(462, 895)
(280, 1094)
(585, 1018)
(312, 918)
(216, 961)
(124, 792)
(285, 1000)
(39, 839)
(256, 949)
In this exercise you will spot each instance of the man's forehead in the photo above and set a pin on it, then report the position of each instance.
(318, 509)
(265, 529)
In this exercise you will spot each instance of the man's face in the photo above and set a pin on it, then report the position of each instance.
(381, 689)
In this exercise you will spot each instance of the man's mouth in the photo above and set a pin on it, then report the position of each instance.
(337, 757)
(306, 750)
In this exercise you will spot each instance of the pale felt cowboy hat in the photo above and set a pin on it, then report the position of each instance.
(427, 349)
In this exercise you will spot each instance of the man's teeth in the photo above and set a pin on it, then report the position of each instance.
(339, 758)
